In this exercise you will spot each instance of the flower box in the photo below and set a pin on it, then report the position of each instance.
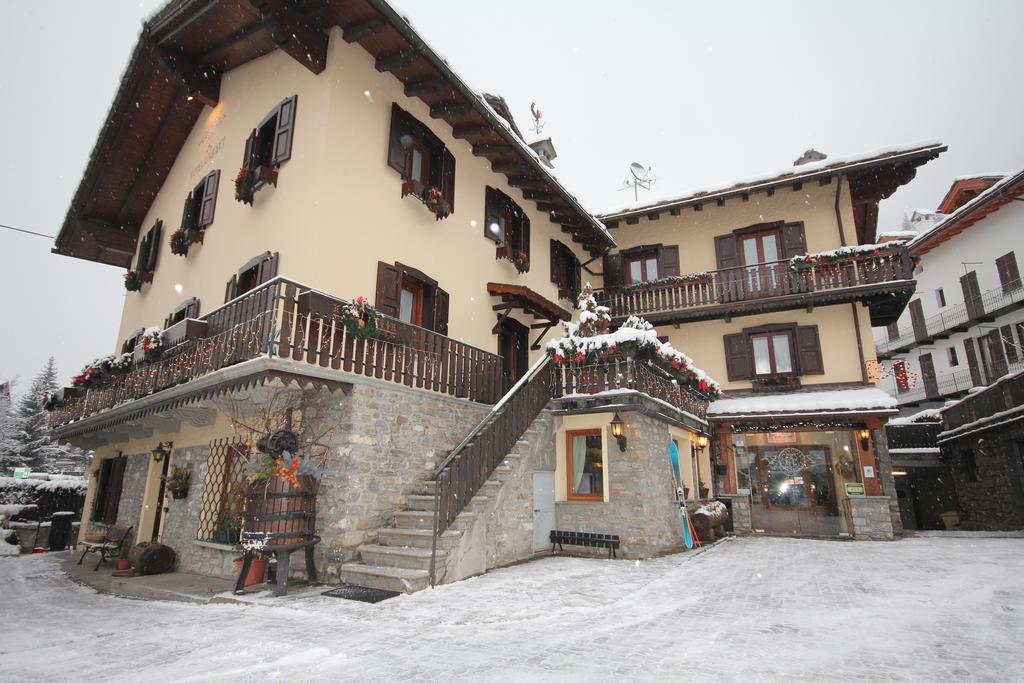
(429, 195)
(196, 236)
(185, 330)
(265, 175)
(775, 384)
(146, 276)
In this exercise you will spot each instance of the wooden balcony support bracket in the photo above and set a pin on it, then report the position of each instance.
(501, 318)
(675, 211)
(395, 60)
(110, 237)
(463, 132)
(294, 33)
(453, 108)
(200, 82)
(428, 86)
(544, 328)
(654, 215)
(362, 29)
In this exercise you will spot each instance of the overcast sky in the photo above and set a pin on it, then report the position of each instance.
(702, 92)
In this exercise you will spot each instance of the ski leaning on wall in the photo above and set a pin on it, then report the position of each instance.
(689, 535)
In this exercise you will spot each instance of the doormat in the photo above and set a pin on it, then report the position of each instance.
(360, 594)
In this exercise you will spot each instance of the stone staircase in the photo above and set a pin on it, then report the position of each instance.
(400, 559)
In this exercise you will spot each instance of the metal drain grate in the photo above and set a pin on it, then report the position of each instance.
(360, 594)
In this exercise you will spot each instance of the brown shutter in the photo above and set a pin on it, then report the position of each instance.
(285, 130)
(209, 201)
(996, 353)
(186, 213)
(389, 282)
(448, 179)
(972, 295)
(892, 330)
(441, 311)
(793, 243)
(267, 269)
(808, 350)
(113, 495)
(143, 259)
(668, 261)
(556, 264)
(972, 362)
(1009, 276)
(1006, 332)
(931, 389)
(231, 289)
(249, 157)
(727, 254)
(737, 356)
(154, 246)
(524, 232)
(396, 151)
(917, 320)
(99, 500)
(612, 270)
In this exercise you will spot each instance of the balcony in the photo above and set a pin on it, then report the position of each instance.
(985, 408)
(957, 318)
(287, 320)
(882, 279)
(951, 384)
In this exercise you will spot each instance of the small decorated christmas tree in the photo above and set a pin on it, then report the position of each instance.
(594, 319)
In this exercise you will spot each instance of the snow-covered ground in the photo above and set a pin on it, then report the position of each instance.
(948, 608)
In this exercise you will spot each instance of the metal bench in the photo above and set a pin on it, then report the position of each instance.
(113, 540)
(585, 539)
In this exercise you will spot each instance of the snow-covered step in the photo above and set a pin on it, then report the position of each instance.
(417, 538)
(385, 578)
(405, 558)
(419, 501)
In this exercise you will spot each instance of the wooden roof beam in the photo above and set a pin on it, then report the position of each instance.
(509, 167)
(294, 33)
(424, 87)
(491, 150)
(453, 108)
(463, 132)
(527, 182)
(554, 207)
(362, 29)
(200, 83)
(395, 60)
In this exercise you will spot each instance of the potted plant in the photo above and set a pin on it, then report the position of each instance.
(152, 344)
(180, 242)
(521, 260)
(178, 481)
(132, 281)
(702, 489)
(245, 185)
(257, 570)
(122, 558)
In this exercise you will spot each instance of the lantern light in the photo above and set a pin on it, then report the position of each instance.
(865, 435)
(618, 431)
(162, 450)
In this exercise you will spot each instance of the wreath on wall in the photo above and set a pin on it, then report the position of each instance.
(360, 319)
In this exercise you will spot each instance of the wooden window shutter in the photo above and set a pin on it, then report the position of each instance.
(267, 269)
(112, 499)
(209, 201)
(556, 264)
(231, 289)
(99, 501)
(448, 179)
(575, 275)
(727, 251)
(441, 311)
(285, 129)
(1006, 332)
(192, 309)
(793, 241)
(892, 330)
(738, 363)
(389, 282)
(249, 157)
(972, 295)
(143, 260)
(808, 350)
(154, 246)
(996, 353)
(187, 219)
(396, 150)
(524, 232)
(917, 320)
(1009, 276)
(972, 362)
(668, 261)
(612, 270)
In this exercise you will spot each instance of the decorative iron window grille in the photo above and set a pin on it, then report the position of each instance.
(220, 517)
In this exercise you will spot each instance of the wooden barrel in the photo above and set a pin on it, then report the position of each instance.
(279, 513)
(151, 558)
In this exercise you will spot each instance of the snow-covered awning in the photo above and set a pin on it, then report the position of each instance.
(836, 402)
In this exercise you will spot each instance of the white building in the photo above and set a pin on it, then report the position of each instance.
(964, 326)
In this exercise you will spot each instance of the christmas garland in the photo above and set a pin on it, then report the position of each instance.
(360, 319)
(179, 242)
(690, 278)
(50, 402)
(102, 371)
(132, 281)
(152, 344)
(835, 256)
(521, 260)
(245, 185)
(434, 200)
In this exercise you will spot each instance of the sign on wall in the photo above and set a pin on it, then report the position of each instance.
(854, 489)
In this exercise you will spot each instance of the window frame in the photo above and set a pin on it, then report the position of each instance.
(515, 224)
(952, 358)
(418, 290)
(642, 257)
(770, 335)
(106, 499)
(569, 459)
(940, 297)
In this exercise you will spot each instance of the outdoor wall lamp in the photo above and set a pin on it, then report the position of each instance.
(864, 435)
(618, 429)
(162, 450)
(702, 441)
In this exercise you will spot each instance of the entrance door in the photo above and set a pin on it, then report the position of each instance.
(543, 509)
(794, 491)
(513, 345)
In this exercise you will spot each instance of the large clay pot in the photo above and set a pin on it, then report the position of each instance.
(257, 570)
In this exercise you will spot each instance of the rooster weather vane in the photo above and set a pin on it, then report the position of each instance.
(537, 126)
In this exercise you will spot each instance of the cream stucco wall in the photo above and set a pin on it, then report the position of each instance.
(337, 208)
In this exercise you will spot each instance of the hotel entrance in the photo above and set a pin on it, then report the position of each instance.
(797, 480)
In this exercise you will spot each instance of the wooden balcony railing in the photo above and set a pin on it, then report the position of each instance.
(778, 284)
(286, 319)
(1005, 394)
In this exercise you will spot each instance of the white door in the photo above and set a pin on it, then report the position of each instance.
(543, 509)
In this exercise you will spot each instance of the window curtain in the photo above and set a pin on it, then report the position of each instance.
(579, 460)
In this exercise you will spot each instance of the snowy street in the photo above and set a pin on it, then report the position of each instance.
(748, 609)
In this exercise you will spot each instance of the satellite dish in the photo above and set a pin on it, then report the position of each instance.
(638, 171)
(642, 178)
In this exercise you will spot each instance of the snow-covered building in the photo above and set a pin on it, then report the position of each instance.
(774, 283)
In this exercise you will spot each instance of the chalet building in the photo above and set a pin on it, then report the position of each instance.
(774, 284)
(336, 250)
(963, 328)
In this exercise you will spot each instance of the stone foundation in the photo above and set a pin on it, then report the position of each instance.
(992, 496)
(872, 518)
(741, 521)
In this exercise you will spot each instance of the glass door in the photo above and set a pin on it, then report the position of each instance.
(760, 251)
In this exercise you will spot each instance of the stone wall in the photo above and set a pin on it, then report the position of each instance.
(741, 521)
(641, 506)
(883, 463)
(872, 518)
(129, 508)
(995, 501)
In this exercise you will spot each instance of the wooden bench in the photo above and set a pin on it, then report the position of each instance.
(113, 540)
(585, 539)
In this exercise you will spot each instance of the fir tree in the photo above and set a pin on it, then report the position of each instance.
(30, 444)
(8, 429)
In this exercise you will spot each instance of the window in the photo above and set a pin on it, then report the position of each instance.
(200, 203)
(508, 225)
(186, 309)
(901, 373)
(224, 486)
(584, 465)
(108, 489)
(952, 357)
(940, 297)
(148, 252)
(773, 350)
(411, 296)
(134, 338)
(1009, 276)
(270, 144)
(565, 271)
(773, 353)
(641, 267)
(969, 465)
(256, 272)
(420, 157)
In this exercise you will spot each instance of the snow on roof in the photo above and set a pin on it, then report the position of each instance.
(807, 402)
(787, 173)
(1007, 181)
(898, 233)
(926, 416)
